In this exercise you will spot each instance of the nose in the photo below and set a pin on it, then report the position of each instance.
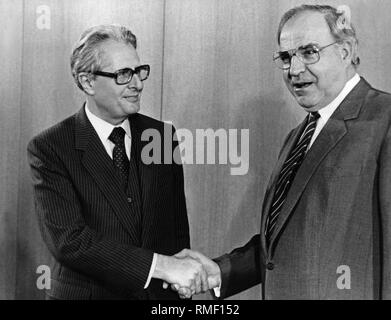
(136, 82)
(297, 66)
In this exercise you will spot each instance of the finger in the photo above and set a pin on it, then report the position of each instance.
(165, 285)
(197, 284)
(192, 287)
(184, 293)
(175, 287)
(204, 281)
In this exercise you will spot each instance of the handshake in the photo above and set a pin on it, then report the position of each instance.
(188, 272)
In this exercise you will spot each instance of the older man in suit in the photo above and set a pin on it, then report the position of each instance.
(110, 219)
(326, 216)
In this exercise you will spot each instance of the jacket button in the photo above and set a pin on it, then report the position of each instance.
(270, 266)
(129, 200)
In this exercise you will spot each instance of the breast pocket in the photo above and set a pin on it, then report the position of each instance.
(349, 160)
(348, 170)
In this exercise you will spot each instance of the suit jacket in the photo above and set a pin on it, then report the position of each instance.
(103, 239)
(336, 218)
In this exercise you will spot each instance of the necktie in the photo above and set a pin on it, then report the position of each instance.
(288, 172)
(120, 159)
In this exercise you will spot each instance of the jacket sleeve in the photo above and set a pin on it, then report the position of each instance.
(385, 216)
(72, 242)
(241, 269)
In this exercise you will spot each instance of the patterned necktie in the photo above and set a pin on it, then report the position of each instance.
(288, 172)
(120, 158)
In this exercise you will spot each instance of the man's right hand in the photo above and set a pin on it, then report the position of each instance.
(182, 272)
(212, 269)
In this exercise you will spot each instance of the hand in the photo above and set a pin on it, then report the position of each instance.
(211, 267)
(183, 272)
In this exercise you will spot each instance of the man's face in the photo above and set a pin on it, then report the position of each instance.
(314, 86)
(114, 102)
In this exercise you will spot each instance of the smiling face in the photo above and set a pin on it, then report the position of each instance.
(110, 101)
(314, 86)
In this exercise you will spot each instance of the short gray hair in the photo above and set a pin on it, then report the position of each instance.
(331, 15)
(87, 55)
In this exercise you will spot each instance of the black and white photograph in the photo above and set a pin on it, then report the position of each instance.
(195, 151)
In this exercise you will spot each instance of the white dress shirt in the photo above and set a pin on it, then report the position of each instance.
(104, 129)
(326, 112)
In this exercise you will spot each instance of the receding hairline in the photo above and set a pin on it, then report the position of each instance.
(300, 14)
(106, 44)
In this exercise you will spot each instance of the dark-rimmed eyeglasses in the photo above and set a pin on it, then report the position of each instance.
(308, 54)
(125, 75)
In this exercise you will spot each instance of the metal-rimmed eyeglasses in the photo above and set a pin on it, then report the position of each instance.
(308, 54)
(124, 76)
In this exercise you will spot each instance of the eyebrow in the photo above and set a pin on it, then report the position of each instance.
(311, 44)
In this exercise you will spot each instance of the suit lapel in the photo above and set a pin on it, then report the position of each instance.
(272, 184)
(327, 139)
(331, 134)
(98, 163)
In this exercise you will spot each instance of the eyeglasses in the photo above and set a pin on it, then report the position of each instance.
(308, 54)
(124, 76)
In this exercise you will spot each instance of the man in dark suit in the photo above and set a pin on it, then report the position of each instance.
(326, 216)
(111, 219)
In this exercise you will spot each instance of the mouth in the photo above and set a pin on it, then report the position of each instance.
(297, 86)
(133, 97)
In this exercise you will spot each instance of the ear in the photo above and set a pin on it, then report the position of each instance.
(347, 52)
(87, 83)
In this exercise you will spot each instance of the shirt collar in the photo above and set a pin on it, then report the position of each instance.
(326, 112)
(104, 128)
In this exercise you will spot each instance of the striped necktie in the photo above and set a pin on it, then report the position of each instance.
(288, 172)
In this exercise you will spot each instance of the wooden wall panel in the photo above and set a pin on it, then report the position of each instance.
(218, 73)
(49, 94)
(215, 72)
(11, 17)
(373, 24)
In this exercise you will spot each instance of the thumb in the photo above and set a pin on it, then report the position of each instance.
(175, 287)
(182, 254)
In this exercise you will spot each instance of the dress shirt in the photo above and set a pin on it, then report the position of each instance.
(326, 112)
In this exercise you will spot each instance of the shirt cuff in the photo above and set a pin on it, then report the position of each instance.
(151, 271)
(217, 291)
